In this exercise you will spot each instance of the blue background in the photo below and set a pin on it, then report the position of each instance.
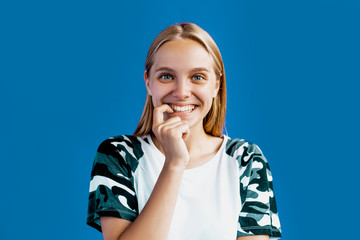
(72, 75)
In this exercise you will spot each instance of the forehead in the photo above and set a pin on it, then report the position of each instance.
(183, 54)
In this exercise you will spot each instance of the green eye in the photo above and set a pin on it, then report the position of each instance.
(197, 78)
(165, 77)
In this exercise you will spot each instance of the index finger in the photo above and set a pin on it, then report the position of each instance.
(159, 111)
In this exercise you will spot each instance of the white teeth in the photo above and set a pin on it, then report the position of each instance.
(187, 108)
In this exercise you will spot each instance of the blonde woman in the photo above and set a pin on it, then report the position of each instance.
(178, 177)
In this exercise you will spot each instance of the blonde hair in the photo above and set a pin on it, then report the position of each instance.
(214, 121)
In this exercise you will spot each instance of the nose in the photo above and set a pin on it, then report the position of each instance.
(182, 89)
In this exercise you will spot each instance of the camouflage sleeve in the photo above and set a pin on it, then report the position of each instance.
(112, 190)
(258, 215)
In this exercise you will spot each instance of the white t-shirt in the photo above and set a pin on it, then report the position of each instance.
(228, 196)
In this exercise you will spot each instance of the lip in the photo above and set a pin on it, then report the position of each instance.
(183, 108)
(181, 104)
(184, 114)
(174, 105)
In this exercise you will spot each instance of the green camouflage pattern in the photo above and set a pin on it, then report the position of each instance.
(258, 215)
(112, 191)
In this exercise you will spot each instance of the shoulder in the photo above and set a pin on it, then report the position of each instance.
(240, 148)
(120, 152)
(122, 144)
(247, 154)
(118, 141)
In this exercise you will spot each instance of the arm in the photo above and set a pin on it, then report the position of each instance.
(155, 219)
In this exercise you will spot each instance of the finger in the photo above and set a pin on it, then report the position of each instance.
(159, 111)
(183, 129)
(172, 120)
(175, 129)
(172, 125)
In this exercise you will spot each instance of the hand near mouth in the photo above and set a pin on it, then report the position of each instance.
(171, 134)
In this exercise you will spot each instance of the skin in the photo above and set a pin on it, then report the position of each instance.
(182, 74)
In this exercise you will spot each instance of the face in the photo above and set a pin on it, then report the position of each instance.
(183, 77)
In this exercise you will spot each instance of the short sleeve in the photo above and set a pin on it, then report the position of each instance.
(258, 214)
(112, 190)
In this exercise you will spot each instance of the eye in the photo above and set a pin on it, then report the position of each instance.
(166, 76)
(198, 78)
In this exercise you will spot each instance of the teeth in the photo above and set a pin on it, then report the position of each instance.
(184, 109)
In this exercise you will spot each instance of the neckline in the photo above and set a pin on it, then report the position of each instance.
(204, 165)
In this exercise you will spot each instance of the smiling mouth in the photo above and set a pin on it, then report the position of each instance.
(182, 109)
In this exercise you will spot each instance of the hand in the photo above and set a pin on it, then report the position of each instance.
(171, 134)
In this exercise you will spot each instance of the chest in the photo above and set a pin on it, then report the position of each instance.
(208, 203)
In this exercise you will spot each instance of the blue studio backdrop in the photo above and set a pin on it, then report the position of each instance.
(71, 75)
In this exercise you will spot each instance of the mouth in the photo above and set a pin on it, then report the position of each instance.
(182, 109)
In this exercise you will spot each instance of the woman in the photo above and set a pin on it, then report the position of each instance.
(178, 177)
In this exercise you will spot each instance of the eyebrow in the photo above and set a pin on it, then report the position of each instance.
(199, 69)
(164, 69)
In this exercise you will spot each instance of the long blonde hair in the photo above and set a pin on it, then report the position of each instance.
(214, 121)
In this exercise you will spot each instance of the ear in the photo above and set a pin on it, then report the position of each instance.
(146, 78)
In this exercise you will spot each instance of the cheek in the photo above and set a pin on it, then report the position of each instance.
(155, 98)
(158, 93)
(206, 94)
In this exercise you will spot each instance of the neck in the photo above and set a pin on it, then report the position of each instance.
(196, 139)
